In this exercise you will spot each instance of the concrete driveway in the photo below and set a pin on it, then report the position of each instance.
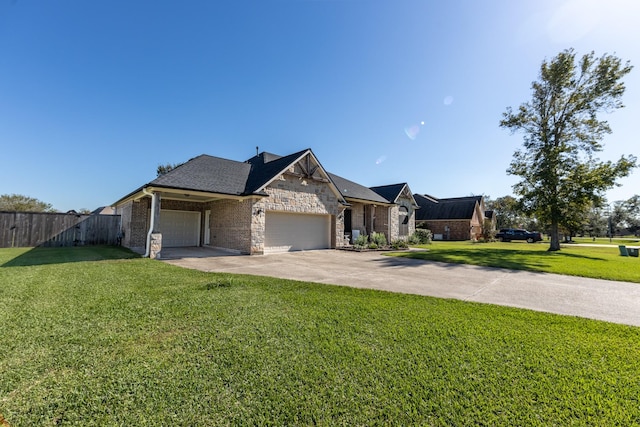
(617, 302)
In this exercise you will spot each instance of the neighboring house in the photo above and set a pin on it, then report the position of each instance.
(459, 218)
(388, 209)
(403, 213)
(266, 204)
(104, 210)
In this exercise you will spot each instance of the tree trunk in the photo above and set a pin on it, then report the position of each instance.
(555, 237)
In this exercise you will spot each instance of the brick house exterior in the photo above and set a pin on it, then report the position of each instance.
(378, 209)
(460, 218)
(267, 204)
(399, 223)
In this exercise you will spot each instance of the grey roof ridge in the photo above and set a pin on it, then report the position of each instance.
(270, 175)
(359, 187)
(401, 188)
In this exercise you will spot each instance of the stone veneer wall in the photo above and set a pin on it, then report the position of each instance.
(295, 195)
(407, 202)
(394, 224)
(412, 222)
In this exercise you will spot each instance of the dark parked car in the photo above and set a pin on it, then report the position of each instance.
(509, 234)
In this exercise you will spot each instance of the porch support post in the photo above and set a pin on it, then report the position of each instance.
(155, 221)
(152, 234)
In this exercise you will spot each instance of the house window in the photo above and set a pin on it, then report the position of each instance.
(403, 221)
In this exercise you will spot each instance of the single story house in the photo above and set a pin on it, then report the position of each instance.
(458, 218)
(267, 204)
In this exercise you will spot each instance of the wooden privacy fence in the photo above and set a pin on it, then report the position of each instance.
(29, 229)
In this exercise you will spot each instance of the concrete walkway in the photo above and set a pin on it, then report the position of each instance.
(617, 302)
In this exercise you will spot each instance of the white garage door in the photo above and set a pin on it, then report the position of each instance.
(296, 232)
(180, 228)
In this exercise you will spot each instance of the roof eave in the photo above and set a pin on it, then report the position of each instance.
(369, 202)
(140, 193)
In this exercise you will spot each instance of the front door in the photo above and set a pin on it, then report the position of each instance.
(347, 221)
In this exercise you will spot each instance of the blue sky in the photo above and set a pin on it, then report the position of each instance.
(94, 95)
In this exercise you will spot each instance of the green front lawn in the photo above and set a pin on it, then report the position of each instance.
(629, 241)
(599, 262)
(100, 337)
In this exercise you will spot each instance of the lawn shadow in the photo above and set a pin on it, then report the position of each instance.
(501, 258)
(416, 259)
(62, 255)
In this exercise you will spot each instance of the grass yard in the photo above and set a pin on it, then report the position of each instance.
(599, 262)
(99, 337)
(629, 241)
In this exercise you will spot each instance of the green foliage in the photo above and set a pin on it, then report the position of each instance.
(399, 244)
(509, 213)
(379, 239)
(422, 236)
(361, 242)
(626, 215)
(20, 203)
(600, 262)
(488, 232)
(373, 245)
(413, 239)
(560, 175)
(163, 169)
(161, 345)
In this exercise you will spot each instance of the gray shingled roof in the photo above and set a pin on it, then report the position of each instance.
(207, 173)
(216, 175)
(389, 192)
(350, 189)
(266, 166)
(452, 208)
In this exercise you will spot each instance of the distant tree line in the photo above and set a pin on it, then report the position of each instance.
(620, 218)
(21, 203)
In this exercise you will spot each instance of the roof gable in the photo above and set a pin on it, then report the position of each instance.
(393, 192)
(452, 208)
(352, 190)
(267, 167)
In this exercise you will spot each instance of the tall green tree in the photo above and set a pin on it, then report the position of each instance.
(507, 211)
(562, 133)
(20, 203)
(626, 214)
(597, 222)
